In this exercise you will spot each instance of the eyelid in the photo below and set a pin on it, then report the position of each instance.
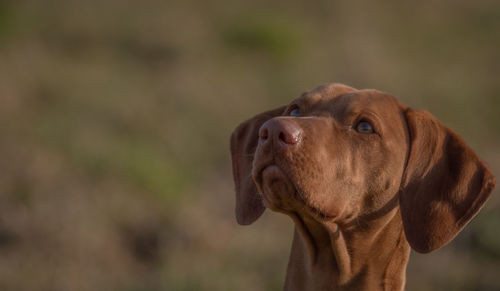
(291, 108)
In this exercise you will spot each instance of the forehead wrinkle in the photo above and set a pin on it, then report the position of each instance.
(345, 104)
(309, 101)
(368, 102)
(310, 98)
(377, 102)
(321, 101)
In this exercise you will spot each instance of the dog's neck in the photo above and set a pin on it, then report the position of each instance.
(328, 256)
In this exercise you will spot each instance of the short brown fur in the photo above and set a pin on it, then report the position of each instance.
(358, 200)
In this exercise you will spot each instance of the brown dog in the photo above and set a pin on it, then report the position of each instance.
(363, 177)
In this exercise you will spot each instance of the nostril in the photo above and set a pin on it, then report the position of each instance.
(288, 138)
(283, 137)
(264, 133)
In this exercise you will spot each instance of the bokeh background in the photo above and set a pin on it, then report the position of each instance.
(115, 119)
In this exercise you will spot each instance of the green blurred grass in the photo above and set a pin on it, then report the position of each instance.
(278, 41)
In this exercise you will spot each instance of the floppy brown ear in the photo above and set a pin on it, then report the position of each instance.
(445, 184)
(244, 141)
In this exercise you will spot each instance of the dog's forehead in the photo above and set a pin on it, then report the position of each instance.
(363, 100)
(340, 99)
(326, 92)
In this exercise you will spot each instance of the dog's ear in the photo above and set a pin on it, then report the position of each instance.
(444, 186)
(244, 141)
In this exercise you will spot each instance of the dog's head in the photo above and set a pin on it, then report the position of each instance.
(341, 154)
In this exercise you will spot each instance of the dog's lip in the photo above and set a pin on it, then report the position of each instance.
(271, 169)
(259, 170)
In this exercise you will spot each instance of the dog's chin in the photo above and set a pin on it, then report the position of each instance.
(282, 195)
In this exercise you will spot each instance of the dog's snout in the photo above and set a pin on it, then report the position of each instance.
(282, 132)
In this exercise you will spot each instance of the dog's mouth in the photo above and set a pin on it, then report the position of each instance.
(281, 194)
(275, 186)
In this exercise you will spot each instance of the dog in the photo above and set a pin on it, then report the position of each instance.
(363, 177)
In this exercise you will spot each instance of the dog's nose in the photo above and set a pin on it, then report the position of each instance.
(280, 131)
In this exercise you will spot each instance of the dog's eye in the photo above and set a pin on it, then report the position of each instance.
(364, 127)
(295, 112)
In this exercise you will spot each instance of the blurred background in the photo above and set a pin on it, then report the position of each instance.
(115, 119)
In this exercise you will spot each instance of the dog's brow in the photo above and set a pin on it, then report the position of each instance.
(346, 95)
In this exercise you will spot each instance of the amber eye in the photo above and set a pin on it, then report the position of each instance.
(295, 112)
(364, 127)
